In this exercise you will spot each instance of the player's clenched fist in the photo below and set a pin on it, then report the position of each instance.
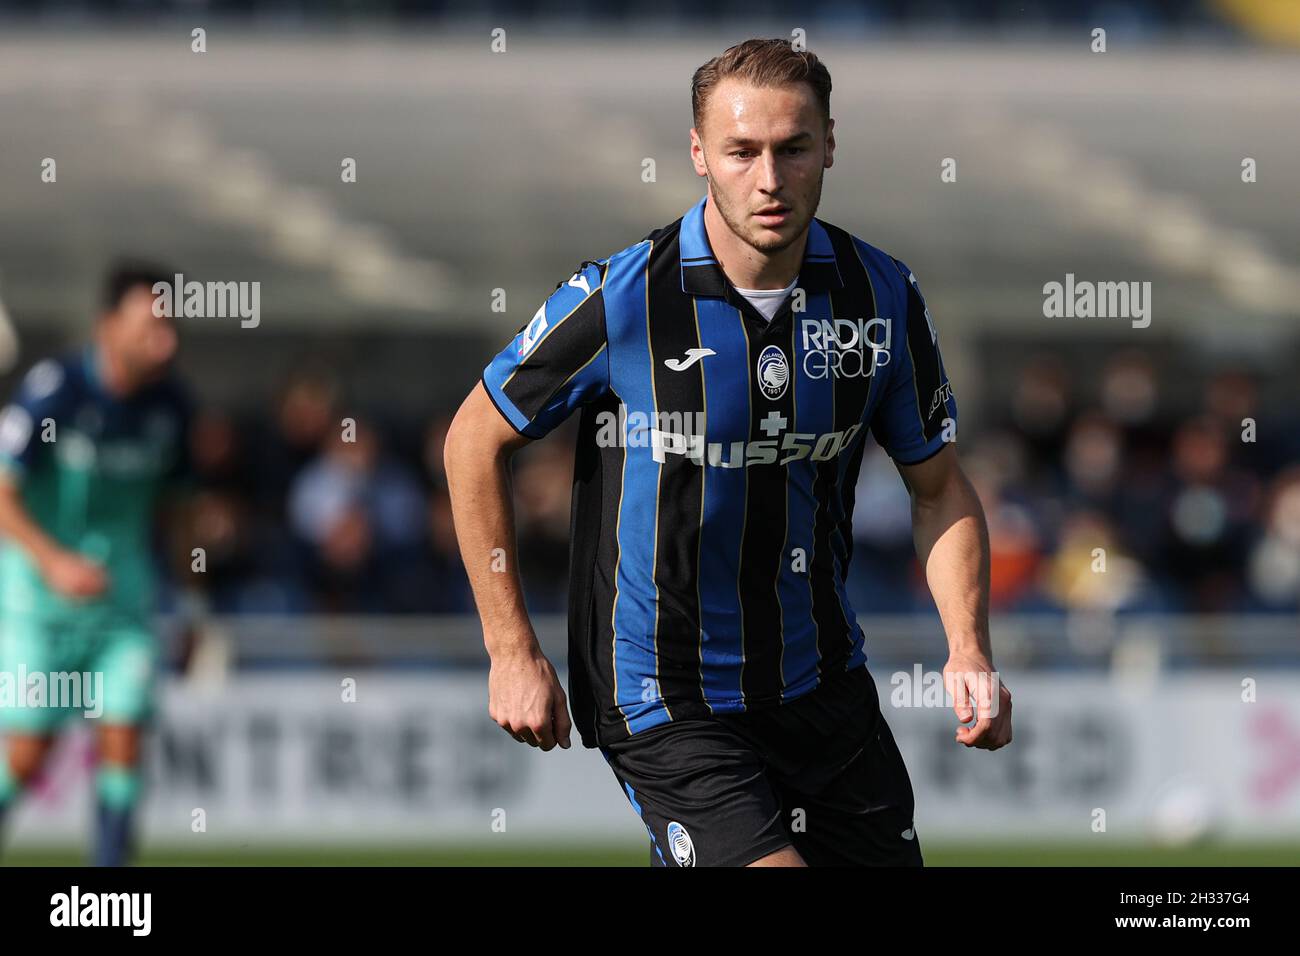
(73, 576)
(977, 692)
(526, 700)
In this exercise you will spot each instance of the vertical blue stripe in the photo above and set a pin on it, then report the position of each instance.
(631, 796)
(814, 415)
(636, 596)
(722, 520)
(654, 840)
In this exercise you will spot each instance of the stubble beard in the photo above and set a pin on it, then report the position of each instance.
(738, 227)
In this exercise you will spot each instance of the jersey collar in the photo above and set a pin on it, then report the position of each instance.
(701, 274)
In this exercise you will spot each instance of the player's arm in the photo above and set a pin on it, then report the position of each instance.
(479, 446)
(524, 693)
(917, 426)
(64, 571)
(556, 362)
(39, 399)
(952, 543)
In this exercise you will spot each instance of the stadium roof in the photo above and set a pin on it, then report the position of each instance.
(479, 171)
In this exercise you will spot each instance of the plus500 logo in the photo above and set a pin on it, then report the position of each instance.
(844, 348)
(792, 446)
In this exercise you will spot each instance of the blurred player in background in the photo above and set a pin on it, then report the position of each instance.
(88, 447)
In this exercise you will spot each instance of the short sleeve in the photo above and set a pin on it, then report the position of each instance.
(918, 412)
(39, 397)
(556, 362)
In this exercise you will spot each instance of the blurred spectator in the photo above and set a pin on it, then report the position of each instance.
(1130, 397)
(1093, 459)
(1275, 562)
(1129, 390)
(248, 563)
(1040, 408)
(305, 415)
(1207, 518)
(360, 515)
(1090, 571)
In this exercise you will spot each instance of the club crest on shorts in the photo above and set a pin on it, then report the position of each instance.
(679, 842)
(773, 372)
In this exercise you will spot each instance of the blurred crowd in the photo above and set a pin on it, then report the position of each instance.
(1097, 497)
(315, 508)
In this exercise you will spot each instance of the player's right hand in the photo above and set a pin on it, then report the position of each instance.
(526, 700)
(73, 576)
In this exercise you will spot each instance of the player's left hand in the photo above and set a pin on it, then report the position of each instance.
(971, 680)
(73, 575)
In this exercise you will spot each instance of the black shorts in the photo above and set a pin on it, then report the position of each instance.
(821, 773)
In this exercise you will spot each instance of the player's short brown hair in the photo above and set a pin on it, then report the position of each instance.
(763, 63)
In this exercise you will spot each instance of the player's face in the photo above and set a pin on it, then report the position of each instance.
(764, 151)
(146, 343)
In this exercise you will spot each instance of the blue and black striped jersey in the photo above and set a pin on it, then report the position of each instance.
(716, 464)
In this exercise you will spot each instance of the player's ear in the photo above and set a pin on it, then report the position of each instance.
(830, 143)
(697, 153)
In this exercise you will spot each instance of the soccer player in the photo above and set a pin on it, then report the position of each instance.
(87, 449)
(728, 368)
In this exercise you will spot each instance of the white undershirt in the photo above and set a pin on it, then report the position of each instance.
(767, 301)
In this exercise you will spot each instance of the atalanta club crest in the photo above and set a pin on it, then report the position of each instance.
(679, 842)
(773, 372)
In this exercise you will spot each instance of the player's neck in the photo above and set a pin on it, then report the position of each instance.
(747, 267)
(114, 376)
